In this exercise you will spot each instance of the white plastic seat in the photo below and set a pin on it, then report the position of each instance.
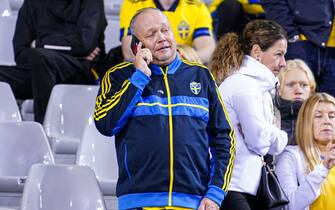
(4, 5)
(15, 5)
(9, 111)
(65, 187)
(111, 33)
(7, 28)
(22, 145)
(27, 110)
(69, 110)
(98, 152)
(112, 8)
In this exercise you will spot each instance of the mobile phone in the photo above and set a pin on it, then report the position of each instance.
(134, 43)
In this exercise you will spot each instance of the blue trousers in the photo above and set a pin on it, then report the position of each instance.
(320, 60)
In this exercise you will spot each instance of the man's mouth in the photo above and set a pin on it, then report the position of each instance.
(163, 48)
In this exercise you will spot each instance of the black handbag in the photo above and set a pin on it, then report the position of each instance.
(270, 194)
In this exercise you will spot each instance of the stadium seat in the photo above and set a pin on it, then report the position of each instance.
(15, 5)
(4, 5)
(98, 152)
(7, 28)
(69, 110)
(9, 111)
(112, 33)
(22, 145)
(112, 8)
(61, 187)
(27, 110)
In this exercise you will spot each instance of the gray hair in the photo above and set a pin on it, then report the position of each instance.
(133, 19)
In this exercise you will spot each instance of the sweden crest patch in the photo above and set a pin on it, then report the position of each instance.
(195, 87)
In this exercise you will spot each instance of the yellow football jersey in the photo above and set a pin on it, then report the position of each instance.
(189, 19)
(252, 7)
(325, 200)
(331, 40)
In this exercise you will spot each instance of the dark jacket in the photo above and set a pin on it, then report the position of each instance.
(164, 126)
(288, 113)
(312, 18)
(78, 25)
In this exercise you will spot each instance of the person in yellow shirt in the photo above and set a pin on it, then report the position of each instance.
(190, 21)
(307, 171)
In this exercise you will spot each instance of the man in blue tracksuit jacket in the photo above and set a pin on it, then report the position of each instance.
(175, 145)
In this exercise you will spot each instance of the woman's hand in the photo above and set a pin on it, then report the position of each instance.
(329, 156)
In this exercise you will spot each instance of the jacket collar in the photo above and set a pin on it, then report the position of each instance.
(253, 68)
(172, 67)
(288, 109)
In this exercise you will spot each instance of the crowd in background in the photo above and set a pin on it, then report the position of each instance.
(272, 60)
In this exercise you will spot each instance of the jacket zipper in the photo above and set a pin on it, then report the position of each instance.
(170, 132)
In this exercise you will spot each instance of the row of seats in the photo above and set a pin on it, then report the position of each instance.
(69, 109)
(25, 144)
(69, 130)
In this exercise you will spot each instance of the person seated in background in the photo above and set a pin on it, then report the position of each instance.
(188, 53)
(246, 67)
(168, 120)
(296, 83)
(306, 171)
(190, 21)
(55, 41)
(311, 31)
(233, 15)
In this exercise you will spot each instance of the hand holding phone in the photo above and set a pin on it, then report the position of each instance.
(134, 43)
(143, 56)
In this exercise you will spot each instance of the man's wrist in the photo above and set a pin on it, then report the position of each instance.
(215, 194)
(139, 79)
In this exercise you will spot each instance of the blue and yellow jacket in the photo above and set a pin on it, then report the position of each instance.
(164, 126)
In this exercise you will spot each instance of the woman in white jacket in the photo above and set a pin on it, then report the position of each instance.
(247, 65)
(306, 172)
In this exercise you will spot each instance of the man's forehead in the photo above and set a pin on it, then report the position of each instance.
(151, 19)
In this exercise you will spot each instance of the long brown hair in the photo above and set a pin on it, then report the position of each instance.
(229, 54)
(304, 128)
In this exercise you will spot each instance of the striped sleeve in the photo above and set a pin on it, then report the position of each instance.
(117, 98)
(203, 25)
(222, 146)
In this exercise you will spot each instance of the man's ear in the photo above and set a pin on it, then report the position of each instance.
(256, 52)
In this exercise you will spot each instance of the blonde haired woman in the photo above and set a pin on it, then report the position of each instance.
(296, 84)
(306, 171)
(246, 66)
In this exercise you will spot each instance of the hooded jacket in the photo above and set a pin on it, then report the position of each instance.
(246, 93)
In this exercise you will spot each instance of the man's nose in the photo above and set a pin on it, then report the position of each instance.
(160, 36)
